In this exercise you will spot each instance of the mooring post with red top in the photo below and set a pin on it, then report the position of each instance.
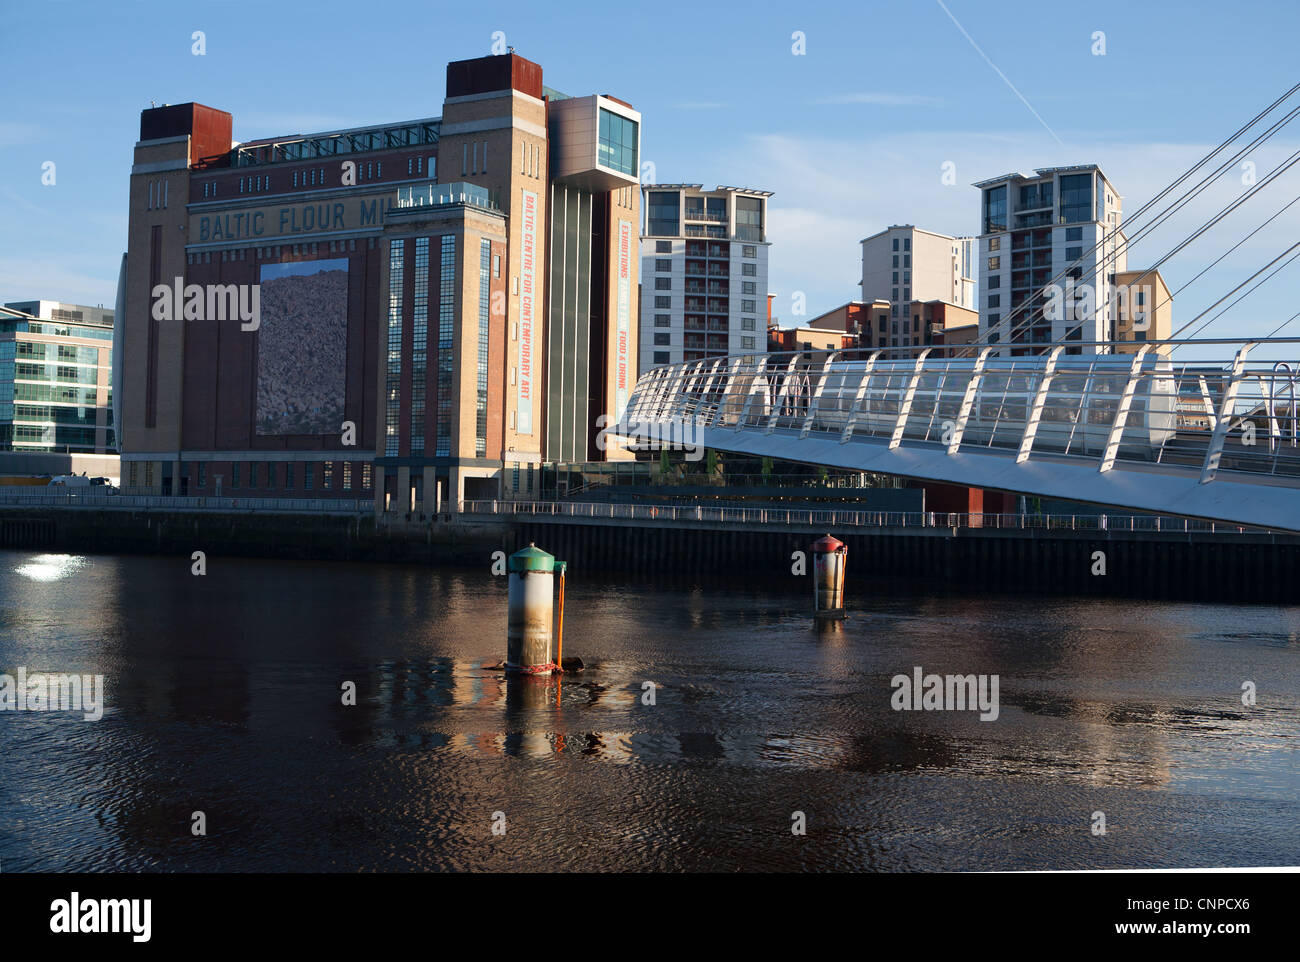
(829, 559)
(531, 610)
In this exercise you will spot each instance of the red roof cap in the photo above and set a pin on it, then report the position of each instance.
(826, 545)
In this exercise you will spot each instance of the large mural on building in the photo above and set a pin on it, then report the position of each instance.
(302, 348)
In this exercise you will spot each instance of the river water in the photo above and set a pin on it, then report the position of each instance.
(224, 696)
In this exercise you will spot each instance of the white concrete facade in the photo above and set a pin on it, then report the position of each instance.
(704, 273)
(1033, 238)
(904, 263)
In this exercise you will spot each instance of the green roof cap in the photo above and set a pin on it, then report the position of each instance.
(531, 558)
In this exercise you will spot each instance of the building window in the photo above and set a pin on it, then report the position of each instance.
(347, 475)
(995, 243)
(749, 270)
(446, 347)
(393, 380)
(661, 357)
(663, 216)
(995, 300)
(309, 476)
(1074, 233)
(663, 283)
(663, 247)
(252, 474)
(484, 329)
(419, 345)
(328, 476)
(995, 263)
(747, 307)
(907, 243)
(747, 343)
(234, 474)
(617, 143)
(995, 209)
(289, 470)
(365, 476)
(995, 281)
(747, 323)
(748, 250)
(894, 280)
(1073, 253)
(663, 264)
(895, 243)
(895, 263)
(1076, 197)
(663, 320)
(747, 287)
(663, 340)
(664, 303)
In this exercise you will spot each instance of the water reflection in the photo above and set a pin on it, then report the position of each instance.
(226, 693)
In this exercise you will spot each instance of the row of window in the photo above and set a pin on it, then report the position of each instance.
(664, 265)
(268, 475)
(274, 252)
(666, 247)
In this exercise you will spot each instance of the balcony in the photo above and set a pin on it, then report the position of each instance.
(700, 214)
(696, 230)
(1033, 220)
(719, 250)
(747, 233)
(445, 195)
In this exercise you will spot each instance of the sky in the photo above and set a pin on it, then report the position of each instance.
(851, 113)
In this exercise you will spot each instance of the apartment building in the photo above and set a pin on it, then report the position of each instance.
(904, 263)
(1049, 247)
(704, 264)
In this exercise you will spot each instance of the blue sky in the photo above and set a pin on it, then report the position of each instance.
(851, 136)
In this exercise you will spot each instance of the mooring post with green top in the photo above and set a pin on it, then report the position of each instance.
(532, 608)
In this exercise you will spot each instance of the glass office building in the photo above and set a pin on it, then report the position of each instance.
(56, 378)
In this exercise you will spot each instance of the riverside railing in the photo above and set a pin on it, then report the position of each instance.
(43, 497)
(841, 518)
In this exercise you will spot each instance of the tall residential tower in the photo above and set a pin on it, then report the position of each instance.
(704, 257)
